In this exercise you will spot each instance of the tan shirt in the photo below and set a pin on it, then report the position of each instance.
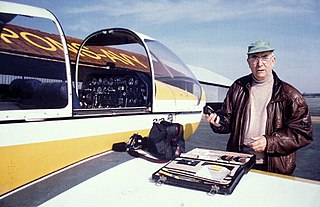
(260, 96)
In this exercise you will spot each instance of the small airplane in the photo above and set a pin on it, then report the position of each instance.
(63, 100)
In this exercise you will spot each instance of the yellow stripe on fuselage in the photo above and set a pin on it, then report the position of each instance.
(21, 164)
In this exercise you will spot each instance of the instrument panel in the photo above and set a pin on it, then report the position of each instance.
(114, 91)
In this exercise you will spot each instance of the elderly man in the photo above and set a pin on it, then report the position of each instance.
(264, 115)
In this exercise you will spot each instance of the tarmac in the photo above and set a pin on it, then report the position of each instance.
(308, 167)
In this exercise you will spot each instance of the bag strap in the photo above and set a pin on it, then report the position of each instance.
(137, 154)
(123, 147)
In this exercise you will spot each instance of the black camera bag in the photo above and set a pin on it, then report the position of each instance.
(165, 142)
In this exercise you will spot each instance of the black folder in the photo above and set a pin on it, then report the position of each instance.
(212, 171)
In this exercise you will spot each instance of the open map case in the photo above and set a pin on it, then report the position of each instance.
(207, 170)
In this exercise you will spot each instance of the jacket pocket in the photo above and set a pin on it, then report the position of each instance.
(283, 164)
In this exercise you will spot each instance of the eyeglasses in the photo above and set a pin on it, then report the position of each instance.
(264, 59)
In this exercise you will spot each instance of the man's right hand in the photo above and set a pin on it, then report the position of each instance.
(213, 118)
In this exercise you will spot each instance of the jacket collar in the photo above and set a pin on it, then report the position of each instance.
(277, 86)
(246, 82)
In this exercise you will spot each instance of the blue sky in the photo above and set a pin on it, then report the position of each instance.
(213, 34)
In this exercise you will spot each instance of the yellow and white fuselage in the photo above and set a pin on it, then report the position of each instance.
(62, 101)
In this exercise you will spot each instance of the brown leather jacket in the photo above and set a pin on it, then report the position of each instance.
(288, 127)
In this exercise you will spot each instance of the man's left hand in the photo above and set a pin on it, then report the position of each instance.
(258, 144)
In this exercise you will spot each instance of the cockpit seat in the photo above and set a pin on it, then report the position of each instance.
(23, 89)
(51, 95)
(33, 93)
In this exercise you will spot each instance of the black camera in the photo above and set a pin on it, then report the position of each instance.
(208, 110)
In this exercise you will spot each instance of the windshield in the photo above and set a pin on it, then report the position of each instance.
(168, 68)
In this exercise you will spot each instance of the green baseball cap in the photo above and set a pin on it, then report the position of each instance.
(259, 46)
